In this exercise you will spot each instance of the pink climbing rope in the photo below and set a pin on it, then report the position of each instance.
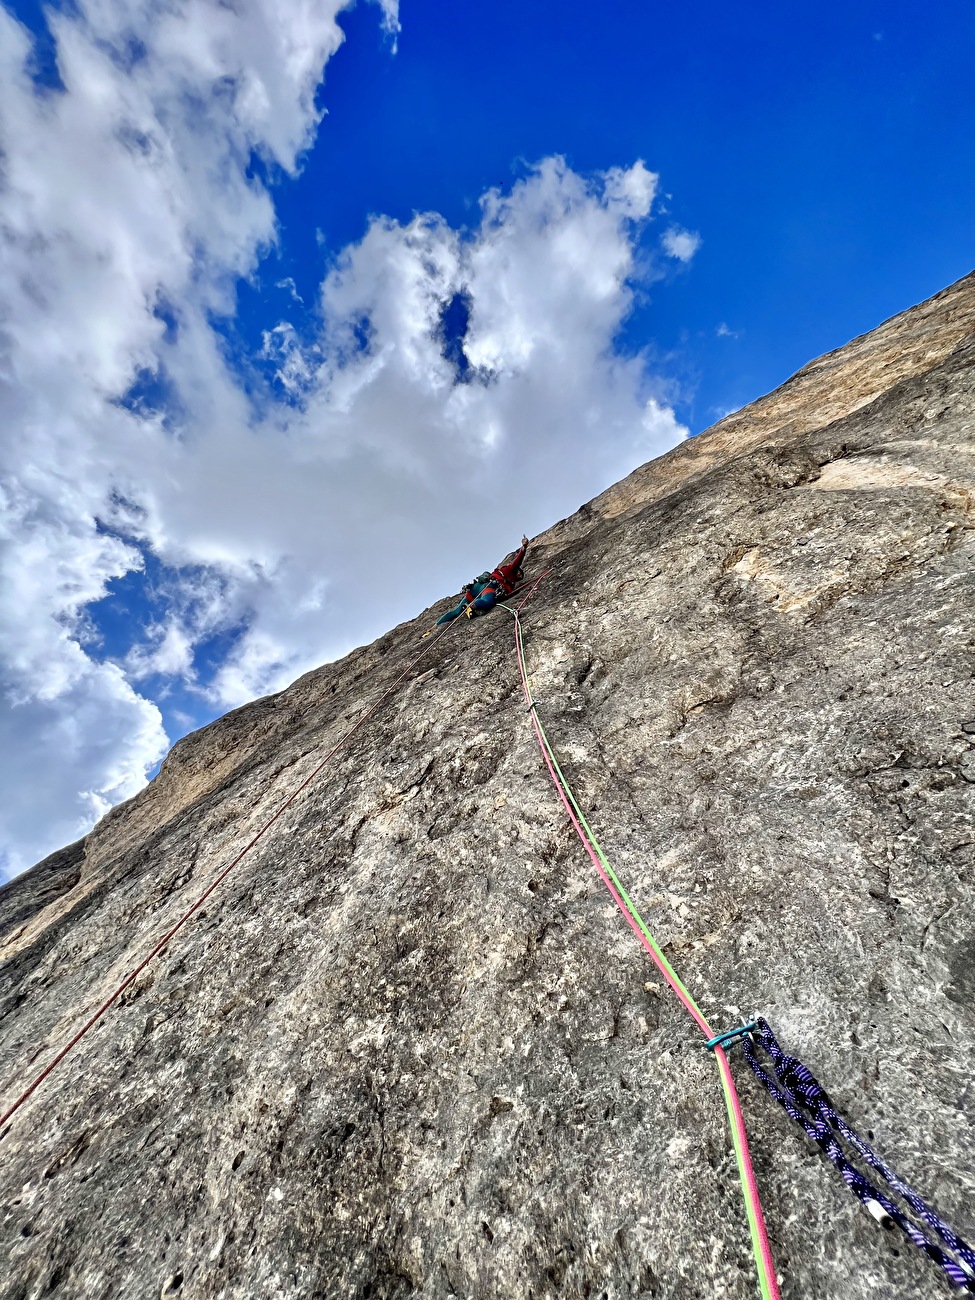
(765, 1263)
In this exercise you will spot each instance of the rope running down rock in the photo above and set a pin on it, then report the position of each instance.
(170, 933)
(803, 1097)
(761, 1249)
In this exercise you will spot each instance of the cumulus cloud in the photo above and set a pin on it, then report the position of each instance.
(460, 385)
(681, 244)
(168, 652)
(128, 210)
(415, 468)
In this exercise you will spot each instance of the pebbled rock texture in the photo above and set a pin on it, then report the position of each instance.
(409, 1048)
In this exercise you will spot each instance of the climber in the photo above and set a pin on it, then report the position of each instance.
(487, 588)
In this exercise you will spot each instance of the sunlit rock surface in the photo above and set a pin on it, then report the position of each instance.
(409, 1048)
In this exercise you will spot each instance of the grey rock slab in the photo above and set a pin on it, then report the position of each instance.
(409, 1047)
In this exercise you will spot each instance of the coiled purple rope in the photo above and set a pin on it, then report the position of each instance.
(795, 1089)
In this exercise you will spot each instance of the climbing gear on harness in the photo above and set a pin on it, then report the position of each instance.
(503, 585)
(765, 1265)
(802, 1097)
(470, 611)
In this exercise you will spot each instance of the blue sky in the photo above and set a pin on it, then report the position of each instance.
(825, 154)
(245, 377)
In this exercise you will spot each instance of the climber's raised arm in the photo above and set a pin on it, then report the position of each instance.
(510, 574)
(484, 592)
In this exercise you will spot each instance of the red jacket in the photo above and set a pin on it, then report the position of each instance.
(507, 574)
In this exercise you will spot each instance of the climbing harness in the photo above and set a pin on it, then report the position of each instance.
(802, 1097)
(503, 585)
(161, 944)
(761, 1249)
(470, 611)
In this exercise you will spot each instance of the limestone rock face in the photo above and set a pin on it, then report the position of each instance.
(409, 1047)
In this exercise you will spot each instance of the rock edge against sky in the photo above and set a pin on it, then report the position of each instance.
(409, 1048)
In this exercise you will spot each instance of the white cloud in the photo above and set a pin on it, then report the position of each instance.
(124, 194)
(168, 653)
(394, 479)
(681, 244)
(390, 472)
(630, 190)
(69, 756)
(289, 284)
(293, 368)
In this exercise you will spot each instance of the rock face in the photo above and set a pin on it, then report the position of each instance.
(409, 1048)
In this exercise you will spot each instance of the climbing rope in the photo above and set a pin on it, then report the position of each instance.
(161, 944)
(801, 1095)
(761, 1249)
(793, 1086)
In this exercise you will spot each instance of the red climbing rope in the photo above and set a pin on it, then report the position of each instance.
(134, 974)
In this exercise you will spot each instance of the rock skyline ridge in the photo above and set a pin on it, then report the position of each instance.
(409, 1048)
